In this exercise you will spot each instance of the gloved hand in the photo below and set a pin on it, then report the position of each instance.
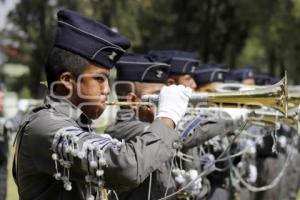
(173, 102)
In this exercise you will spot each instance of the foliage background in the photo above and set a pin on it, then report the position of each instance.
(264, 33)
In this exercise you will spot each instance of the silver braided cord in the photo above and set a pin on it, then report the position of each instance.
(221, 157)
(72, 142)
(272, 184)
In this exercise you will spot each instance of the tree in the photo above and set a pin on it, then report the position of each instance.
(34, 28)
(236, 32)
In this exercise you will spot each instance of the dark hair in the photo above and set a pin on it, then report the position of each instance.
(175, 77)
(60, 60)
(123, 88)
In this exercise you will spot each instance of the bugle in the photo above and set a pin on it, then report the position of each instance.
(273, 118)
(274, 96)
(294, 100)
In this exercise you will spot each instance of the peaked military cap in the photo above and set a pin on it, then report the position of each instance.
(138, 67)
(265, 79)
(181, 62)
(88, 38)
(241, 74)
(209, 73)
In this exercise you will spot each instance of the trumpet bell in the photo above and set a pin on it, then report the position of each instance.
(294, 100)
(274, 96)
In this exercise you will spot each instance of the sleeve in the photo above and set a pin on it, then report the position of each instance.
(129, 129)
(201, 129)
(71, 153)
(135, 160)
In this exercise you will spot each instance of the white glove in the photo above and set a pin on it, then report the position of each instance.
(173, 102)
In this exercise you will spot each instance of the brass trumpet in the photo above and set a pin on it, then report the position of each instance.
(293, 100)
(274, 96)
(273, 118)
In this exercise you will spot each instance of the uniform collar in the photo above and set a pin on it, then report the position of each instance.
(64, 106)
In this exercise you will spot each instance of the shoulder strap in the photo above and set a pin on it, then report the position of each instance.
(17, 142)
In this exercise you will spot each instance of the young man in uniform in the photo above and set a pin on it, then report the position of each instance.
(144, 77)
(208, 76)
(182, 66)
(58, 153)
(147, 77)
(245, 75)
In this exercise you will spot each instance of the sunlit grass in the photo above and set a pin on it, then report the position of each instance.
(12, 193)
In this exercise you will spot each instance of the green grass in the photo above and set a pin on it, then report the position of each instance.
(12, 193)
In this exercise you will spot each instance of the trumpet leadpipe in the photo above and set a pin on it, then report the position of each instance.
(117, 103)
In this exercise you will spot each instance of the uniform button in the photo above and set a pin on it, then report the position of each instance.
(176, 145)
